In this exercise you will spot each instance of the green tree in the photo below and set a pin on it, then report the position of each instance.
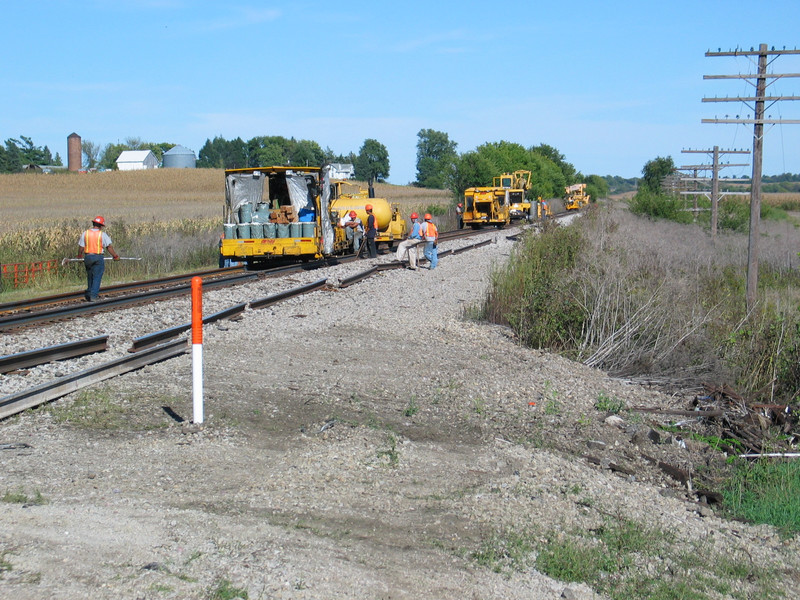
(471, 169)
(654, 171)
(372, 162)
(568, 170)
(436, 156)
(306, 153)
(91, 153)
(13, 157)
(596, 187)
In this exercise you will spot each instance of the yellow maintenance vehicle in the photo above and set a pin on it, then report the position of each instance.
(292, 213)
(516, 185)
(486, 206)
(279, 212)
(575, 196)
(347, 196)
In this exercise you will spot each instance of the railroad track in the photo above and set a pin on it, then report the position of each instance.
(157, 346)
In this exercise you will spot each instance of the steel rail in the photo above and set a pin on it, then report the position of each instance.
(120, 287)
(348, 281)
(298, 291)
(40, 356)
(19, 320)
(146, 341)
(51, 390)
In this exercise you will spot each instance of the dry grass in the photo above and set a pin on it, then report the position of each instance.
(33, 201)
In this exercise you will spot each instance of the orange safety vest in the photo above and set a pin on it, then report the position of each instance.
(428, 229)
(93, 242)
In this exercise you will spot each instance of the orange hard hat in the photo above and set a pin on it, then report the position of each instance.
(368, 207)
(99, 220)
(414, 216)
(353, 214)
(428, 216)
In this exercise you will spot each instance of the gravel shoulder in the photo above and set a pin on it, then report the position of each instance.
(358, 442)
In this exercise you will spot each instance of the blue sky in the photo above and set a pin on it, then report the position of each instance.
(611, 85)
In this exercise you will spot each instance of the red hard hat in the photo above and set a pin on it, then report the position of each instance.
(99, 220)
(428, 216)
(368, 207)
(460, 205)
(353, 214)
(414, 216)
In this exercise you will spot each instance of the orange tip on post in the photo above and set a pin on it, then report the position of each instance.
(197, 310)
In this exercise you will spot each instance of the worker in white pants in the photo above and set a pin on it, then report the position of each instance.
(409, 246)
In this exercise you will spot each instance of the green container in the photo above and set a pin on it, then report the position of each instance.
(245, 213)
(295, 230)
(243, 230)
(270, 230)
(283, 230)
(256, 230)
(308, 230)
(230, 231)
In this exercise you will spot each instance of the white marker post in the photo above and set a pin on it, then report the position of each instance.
(197, 349)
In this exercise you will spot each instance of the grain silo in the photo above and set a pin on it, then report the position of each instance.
(178, 157)
(74, 152)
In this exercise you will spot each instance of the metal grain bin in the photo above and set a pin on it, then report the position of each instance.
(178, 157)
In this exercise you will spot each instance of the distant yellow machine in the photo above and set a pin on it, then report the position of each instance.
(486, 206)
(575, 196)
(516, 185)
(497, 205)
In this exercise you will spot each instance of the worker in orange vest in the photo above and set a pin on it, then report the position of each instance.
(91, 247)
(430, 234)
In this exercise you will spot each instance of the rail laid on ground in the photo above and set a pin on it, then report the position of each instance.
(50, 390)
(32, 358)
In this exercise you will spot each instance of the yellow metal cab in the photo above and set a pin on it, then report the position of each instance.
(575, 196)
(486, 206)
(516, 185)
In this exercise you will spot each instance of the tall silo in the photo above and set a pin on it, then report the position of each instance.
(74, 152)
(178, 157)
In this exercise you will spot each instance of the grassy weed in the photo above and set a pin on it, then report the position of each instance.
(634, 296)
(767, 491)
(225, 590)
(627, 560)
(20, 497)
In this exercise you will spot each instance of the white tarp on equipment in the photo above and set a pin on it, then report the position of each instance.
(243, 188)
(324, 211)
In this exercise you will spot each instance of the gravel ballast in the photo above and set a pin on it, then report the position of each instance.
(360, 442)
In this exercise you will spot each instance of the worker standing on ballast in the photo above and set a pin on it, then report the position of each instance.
(460, 215)
(430, 234)
(371, 232)
(91, 247)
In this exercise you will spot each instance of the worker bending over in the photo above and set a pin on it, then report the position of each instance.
(408, 247)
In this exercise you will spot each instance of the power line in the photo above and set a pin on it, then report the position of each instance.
(759, 100)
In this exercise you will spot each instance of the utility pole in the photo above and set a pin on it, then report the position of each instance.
(715, 167)
(758, 102)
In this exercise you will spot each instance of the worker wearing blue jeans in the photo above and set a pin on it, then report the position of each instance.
(91, 247)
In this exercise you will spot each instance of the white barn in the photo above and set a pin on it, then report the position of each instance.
(134, 160)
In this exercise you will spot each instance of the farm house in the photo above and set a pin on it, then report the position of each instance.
(134, 160)
(342, 171)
